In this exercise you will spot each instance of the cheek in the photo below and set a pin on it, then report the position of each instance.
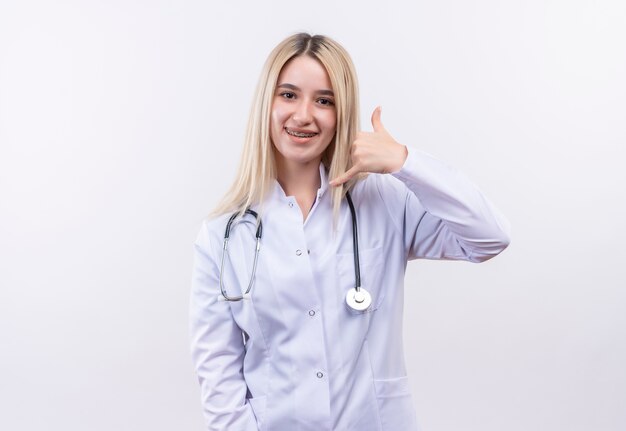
(275, 123)
(278, 114)
(330, 123)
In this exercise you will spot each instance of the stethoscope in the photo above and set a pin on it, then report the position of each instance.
(357, 298)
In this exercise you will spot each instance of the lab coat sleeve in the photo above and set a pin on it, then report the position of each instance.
(216, 346)
(442, 214)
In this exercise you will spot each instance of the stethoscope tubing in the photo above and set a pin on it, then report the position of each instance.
(259, 235)
(355, 244)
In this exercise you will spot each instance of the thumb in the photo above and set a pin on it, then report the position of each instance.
(341, 179)
(377, 124)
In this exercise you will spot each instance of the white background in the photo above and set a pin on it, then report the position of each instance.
(121, 125)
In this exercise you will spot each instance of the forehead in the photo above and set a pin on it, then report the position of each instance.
(304, 72)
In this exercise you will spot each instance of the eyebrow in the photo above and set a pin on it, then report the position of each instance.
(295, 88)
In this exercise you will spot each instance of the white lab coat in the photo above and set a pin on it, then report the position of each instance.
(310, 362)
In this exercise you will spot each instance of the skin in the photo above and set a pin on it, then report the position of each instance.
(304, 103)
(374, 152)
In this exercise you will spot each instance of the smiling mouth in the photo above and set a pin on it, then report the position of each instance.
(299, 134)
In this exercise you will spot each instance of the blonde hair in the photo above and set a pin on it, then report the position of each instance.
(257, 167)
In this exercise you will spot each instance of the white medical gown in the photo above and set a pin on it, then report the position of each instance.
(309, 362)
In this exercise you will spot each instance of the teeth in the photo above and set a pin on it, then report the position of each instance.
(300, 135)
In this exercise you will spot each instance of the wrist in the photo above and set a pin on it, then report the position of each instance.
(400, 155)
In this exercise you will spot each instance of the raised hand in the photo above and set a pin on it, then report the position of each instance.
(375, 152)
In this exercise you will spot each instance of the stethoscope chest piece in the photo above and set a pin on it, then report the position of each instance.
(358, 300)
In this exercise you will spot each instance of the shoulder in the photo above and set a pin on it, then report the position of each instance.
(211, 232)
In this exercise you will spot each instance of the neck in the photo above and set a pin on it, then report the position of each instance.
(300, 181)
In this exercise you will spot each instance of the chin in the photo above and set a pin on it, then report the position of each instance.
(298, 157)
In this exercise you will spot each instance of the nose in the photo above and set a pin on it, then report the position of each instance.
(302, 113)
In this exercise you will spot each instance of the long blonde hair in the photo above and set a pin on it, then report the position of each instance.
(257, 167)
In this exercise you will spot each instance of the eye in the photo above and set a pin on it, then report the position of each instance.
(287, 95)
(325, 102)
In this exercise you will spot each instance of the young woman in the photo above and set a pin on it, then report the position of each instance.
(302, 328)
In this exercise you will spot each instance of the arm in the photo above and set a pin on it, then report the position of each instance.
(216, 346)
(445, 215)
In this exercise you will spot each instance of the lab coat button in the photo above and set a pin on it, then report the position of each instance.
(290, 204)
(320, 374)
(298, 252)
(311, 313)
